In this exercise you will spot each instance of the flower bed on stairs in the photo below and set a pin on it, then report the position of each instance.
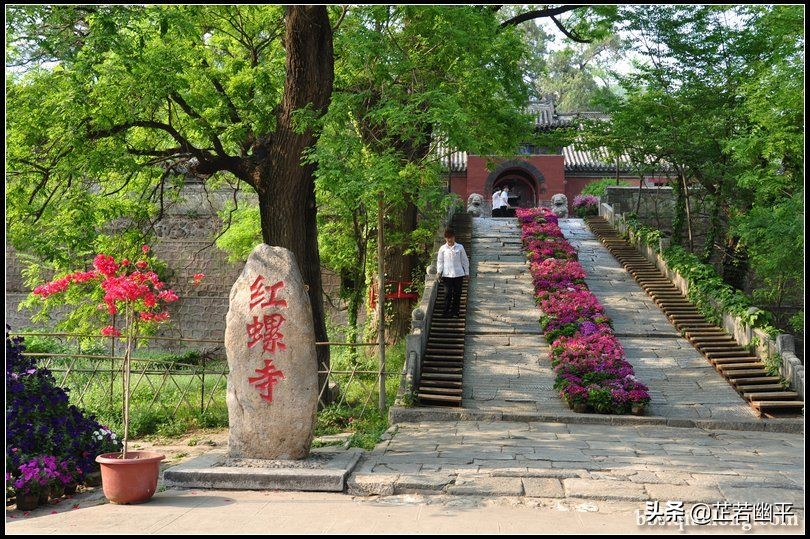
(592, 373)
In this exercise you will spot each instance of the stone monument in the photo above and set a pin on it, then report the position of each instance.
(270, 344)
(559, 205)
(475, 205)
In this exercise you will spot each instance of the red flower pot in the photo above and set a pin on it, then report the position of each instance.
(130, 480)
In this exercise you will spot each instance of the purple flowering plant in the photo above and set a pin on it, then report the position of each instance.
(42, 424)
(588, 360)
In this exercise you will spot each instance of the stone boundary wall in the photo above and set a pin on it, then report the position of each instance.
(791, 369)
(184, 241)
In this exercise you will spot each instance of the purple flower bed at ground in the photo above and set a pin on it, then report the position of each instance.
(587, 357)
(47, 439)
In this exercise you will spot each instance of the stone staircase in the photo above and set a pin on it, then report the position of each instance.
(742, 369)
(440, 382)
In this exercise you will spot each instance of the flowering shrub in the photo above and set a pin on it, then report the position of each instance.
(552, 274)
(128, 288)
(39, 419)
(585, 205)
(587, 357)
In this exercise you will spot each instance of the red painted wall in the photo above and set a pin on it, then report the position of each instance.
(551, 167)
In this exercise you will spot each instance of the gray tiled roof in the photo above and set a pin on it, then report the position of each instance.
(546, 118)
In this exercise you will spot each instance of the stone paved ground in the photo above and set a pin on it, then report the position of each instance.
(507, 370)
(557, 460)
(682, 382)
(504, 366)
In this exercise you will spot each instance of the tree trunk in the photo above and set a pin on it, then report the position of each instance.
(715, 229)
(680, 211)
(286, 188)
(399, 267)
(735, 263)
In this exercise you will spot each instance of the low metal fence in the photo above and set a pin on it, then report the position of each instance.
(195, 379)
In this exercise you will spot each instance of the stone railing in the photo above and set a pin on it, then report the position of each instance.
(765, 346)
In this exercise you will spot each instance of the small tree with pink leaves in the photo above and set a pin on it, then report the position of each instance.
(131, 292)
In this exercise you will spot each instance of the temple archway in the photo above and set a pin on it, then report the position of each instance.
(524, 180)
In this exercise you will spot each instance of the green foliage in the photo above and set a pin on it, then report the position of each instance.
(643, 233)
(716, 93)
(599, 188)
(797, 322)
(711, 295)
(773, 364)
(243, 234)
(601, 399)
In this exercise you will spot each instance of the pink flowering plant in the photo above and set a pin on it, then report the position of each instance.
(588, 360)
(130, 291)
(585, 205)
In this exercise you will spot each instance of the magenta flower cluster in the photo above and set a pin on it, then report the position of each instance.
(581, 201)
(587, 357)
(41, 472)
(585, 205)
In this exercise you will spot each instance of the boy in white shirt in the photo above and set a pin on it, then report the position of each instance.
(452, 266)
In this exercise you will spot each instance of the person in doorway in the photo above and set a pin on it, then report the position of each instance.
(452, 266)
(497, 202)
(505, 197)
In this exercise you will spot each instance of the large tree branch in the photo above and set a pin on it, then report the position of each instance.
(177, 98)
(540, 13)
(340, 20)
(233, 114)
(569, 34)
(185, 145)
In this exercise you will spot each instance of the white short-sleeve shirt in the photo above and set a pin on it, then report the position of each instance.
(452, 261)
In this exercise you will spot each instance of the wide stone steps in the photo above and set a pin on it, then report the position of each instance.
(440, 380)
(737, 364)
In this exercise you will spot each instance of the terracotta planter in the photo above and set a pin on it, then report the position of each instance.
(638, 409)
(27, 502)
(133, 480)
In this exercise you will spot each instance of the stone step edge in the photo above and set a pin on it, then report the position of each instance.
(399, 414)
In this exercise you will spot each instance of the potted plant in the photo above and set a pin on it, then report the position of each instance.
(136, 296)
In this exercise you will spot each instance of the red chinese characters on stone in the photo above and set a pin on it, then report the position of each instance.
(267, 332)
(268, 377)
(265, 296)
(266, 329)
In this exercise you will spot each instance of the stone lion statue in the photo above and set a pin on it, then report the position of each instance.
(475, 205)
(559, 205)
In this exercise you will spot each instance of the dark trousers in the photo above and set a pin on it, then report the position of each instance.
(452, 299)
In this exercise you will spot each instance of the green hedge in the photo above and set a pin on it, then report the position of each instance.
(707, 290)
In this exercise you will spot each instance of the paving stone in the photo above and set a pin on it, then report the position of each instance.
(604, 490)
(764, 495)
(486, 486)
(371, 484)
(420, 483)
(541, 487)
(684, 493)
